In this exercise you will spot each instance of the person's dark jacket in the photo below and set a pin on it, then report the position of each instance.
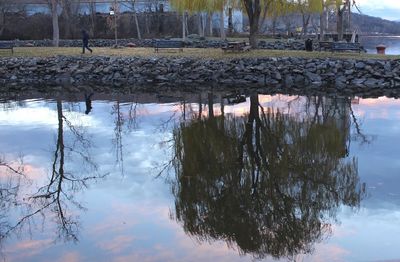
(85, 37)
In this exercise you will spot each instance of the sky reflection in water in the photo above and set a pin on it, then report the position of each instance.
(131, 214)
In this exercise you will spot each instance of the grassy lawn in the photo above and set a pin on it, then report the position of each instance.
(188, 52)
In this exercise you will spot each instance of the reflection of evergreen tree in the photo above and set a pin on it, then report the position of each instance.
(268, 182)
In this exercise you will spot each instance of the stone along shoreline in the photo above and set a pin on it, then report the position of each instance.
(342, 75)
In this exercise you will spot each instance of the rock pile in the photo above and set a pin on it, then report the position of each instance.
(193, 42)
(340, 74)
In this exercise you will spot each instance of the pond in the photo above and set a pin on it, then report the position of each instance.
(392, 44)
(199, 177)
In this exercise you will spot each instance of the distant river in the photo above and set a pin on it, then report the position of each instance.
(391, 42)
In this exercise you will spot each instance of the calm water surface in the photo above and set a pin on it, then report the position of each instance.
(200, 178)
(392, 44)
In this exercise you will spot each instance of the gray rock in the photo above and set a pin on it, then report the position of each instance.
(299, 79)
(360, 65)
(341, 82)
(277, 76)
(117, 75)
(289, 80)
(313, 77)
(358, 82)
(371, 82)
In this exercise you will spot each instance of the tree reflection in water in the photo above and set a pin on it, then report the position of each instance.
(267, 182)
(72, 170)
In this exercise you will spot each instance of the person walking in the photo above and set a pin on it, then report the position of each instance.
(85, 41)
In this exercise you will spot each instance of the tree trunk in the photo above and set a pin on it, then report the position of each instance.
(253, 34)
(306, 21)
(230, 21)
(67, 24)
(210, 24)
(146, 23)
(199, 24)
(200, 108)
(322, 25)
(2, 21)
(56, 29)
(340, 24)
(204, 23)
(184, 26)
(116, 29)
(274, 20)
(92, 10)
(210, 105)
(60, 138)
(221, 25)
(253, 10)
(139, 36)
(160, 18)
(222, 107)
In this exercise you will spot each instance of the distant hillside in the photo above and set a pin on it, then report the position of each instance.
(375, 25)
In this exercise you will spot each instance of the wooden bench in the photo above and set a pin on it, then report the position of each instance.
(339, 46)
(168, 44)
(236, 47)
(325, 45)
(7, 45)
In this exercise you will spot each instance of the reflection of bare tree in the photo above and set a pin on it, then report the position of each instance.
(12, 105)
(133, 123)
(53, 200)
(10, 176)
(360, 136)
(117, 141)
(268, 183)
(122, 119)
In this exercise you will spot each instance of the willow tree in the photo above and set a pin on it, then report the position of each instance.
(306, 8)
(279, 9)
(184, 6)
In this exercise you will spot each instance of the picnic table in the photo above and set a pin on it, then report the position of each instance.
(236, 47)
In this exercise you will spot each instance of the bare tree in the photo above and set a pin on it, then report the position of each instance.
(70, 10)
(54, 5)
(4, 7)
(92, 14)
(139, 36)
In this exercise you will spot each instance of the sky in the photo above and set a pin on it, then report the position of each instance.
(387, 9)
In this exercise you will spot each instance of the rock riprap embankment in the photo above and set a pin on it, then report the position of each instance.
(124, 71)
(191, 43)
